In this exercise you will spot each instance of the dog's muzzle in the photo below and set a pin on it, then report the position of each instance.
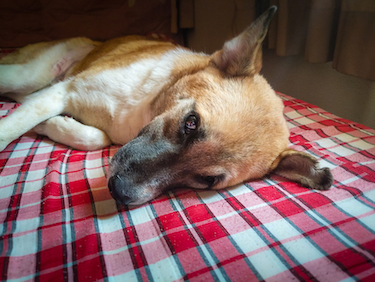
(139, 171)
(117, 187)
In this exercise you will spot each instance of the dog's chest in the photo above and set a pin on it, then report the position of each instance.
(118, 100)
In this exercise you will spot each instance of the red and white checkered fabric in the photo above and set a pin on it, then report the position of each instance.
(59, 222)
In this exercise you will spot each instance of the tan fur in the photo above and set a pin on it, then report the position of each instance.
(108, 55)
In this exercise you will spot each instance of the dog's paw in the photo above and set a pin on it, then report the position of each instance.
(40, 128)
(303, 169)
(68, 131)
(324, 179)
(54, 125)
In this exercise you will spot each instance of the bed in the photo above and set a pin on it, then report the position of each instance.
(59, 222)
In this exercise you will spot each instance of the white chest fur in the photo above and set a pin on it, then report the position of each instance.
(122, 95)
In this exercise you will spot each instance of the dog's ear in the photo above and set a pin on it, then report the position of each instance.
(303, 169)
(242, 56)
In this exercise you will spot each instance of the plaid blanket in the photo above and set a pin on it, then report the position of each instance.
(59, 222)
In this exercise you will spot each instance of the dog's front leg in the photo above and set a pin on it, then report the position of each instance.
(70, 132)
(37, 108)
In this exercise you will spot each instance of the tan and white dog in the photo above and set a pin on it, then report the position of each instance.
(187, 119)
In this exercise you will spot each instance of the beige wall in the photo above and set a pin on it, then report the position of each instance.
(346, 96)
(343, 95)
(217, 21)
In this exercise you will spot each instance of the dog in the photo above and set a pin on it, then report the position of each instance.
(186, 119)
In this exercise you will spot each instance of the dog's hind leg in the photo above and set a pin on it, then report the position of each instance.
(70, 132)
(36, 66)
(41, 106)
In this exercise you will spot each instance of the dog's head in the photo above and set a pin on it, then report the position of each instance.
(223, 125)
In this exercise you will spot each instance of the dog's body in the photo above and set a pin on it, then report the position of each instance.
(187, 119)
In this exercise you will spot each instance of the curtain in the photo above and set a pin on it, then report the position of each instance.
(341, 31)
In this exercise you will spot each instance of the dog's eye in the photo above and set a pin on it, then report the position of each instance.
(191, 124)
(210, 180)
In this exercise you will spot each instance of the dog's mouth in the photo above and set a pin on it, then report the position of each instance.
(126, 193)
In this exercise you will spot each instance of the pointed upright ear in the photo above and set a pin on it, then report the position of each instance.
(303, 169)
(242, 56)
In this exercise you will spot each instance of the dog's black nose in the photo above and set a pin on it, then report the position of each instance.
(117, 187)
